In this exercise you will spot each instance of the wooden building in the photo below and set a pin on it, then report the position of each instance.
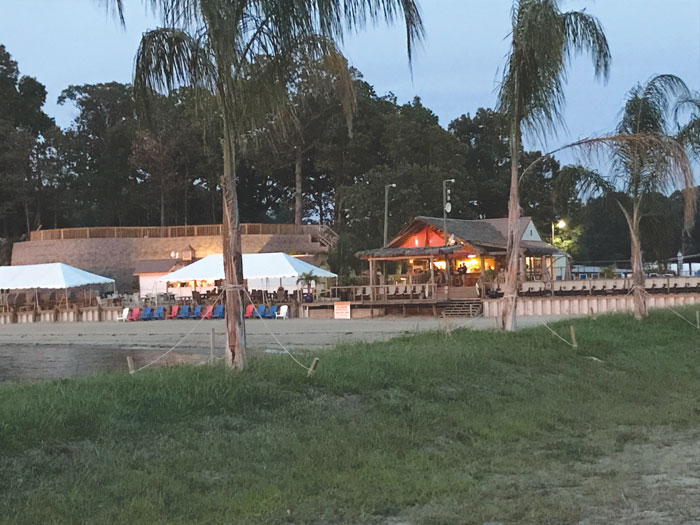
(464, 262)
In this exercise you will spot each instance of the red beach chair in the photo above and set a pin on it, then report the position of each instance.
(134, 314)
(249, 311)
(208, 312)
(173, 313)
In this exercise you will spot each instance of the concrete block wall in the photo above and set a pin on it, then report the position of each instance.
(117, 257)
(587, 305)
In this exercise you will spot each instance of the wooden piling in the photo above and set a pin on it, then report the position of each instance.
(312, 368)
(211, 347)
(573, 336)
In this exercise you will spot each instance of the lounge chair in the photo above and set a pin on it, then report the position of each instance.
(173, 312)
(218, 312)
(207, 313)
(260, 312)
(197, 313)
(282, 314)
(249, 311)
(184, 312)
(146, 314)
(271, 312)
(134, 314)
(159, 315)
(124, 315)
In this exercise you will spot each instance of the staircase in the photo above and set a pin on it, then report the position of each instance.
(463, 308)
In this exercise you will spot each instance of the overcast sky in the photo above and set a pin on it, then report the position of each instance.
(456, 71)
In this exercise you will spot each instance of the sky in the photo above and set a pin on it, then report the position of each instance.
(455, 71)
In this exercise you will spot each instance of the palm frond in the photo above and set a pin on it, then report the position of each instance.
(544, 40)
(116, 7)
(649, 105)
(169, 58)
(666, 167)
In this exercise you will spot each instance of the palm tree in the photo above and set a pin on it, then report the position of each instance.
(648, 159)
(543, 41)
(306, 279)
(241, 51)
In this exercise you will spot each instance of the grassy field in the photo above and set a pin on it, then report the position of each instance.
(463, 428)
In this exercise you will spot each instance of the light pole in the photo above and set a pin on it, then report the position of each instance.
(561, 224)
(386, 212)
(445, 203)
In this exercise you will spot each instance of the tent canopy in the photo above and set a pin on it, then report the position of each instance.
(255, 266)
(50, 276)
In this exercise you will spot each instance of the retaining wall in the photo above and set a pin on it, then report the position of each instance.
(586, 305)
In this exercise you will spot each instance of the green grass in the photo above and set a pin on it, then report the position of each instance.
(472, 427)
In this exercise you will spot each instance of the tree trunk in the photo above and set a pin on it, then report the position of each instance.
(187, 187)
(162, 201)
(233, 260)
(638, 291)
(26, 216)
(510, 296)
(298, 196)
(212, 195)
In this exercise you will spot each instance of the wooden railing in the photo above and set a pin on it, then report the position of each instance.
(319, 232)
(384, 293)
(601, 286)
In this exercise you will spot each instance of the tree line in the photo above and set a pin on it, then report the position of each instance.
(118, 166)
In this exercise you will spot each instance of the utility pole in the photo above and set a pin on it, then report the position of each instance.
(446, 207)
(386, 212)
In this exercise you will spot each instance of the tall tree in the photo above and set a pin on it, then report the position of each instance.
(23, 124)
(648, 162)
(543, 42)
(241, 51)
(98, 147)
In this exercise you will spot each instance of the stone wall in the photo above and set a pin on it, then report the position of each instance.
(117, 257)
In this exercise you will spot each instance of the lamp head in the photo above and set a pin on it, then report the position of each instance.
(561, 224)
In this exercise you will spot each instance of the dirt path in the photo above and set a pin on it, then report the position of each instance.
(656, 482)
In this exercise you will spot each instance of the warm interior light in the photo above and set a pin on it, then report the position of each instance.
(440, 265)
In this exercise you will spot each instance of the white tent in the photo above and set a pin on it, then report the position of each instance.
(49, 276)
(261, 270)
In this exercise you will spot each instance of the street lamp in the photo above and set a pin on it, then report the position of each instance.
(561, 224)
(446, 206)
(386, 211)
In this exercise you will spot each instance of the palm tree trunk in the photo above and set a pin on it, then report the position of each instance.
(298, 196)
(638, 291)
(233, 260)
(510, 296)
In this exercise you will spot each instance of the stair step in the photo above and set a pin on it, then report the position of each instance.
(463, 308)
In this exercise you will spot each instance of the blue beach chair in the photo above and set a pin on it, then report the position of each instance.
(184, 312)
(218, 312)
(197, 313)
(159, 315)
(146, 314)
(260, 312)
(272, 312)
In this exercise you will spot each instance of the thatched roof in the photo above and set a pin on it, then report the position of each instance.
(426, 251)
(484, 236)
